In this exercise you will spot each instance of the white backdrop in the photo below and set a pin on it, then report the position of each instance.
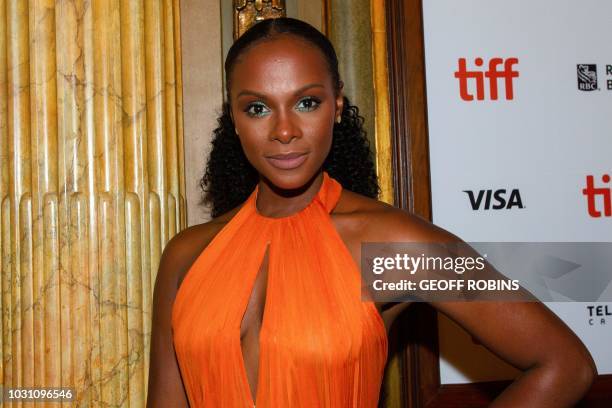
(543, 142)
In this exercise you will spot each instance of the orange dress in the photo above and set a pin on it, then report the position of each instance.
(320, 345)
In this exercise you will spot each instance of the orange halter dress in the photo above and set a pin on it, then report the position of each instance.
(320, 345)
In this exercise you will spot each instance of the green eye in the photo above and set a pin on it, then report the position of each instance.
(308, 104)
(257, 109)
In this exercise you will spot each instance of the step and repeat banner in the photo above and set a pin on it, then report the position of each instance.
(519, 101)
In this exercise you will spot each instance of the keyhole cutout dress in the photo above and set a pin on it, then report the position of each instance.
(320, 344)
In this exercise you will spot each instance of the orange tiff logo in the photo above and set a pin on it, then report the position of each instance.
(592, 193)
(493, 74)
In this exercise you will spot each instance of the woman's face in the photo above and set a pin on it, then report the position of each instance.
(283, 102)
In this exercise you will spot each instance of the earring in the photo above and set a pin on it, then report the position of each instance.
(339, 119)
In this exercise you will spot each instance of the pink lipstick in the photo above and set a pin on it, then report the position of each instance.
(287, 161)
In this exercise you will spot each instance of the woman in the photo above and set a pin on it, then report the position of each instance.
(293, 190)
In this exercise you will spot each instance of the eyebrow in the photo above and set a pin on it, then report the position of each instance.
(262, 96)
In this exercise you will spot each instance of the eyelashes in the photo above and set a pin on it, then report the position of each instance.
(259, 109)
(308, 104)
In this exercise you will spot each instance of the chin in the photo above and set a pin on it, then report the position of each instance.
(290, 179)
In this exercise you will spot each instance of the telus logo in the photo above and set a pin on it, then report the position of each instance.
(495, 199)
(493, 74)
(591, 192)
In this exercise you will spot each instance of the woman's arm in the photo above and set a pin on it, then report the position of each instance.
(557, 368)
(165, 387)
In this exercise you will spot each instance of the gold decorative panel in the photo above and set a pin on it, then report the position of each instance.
(382, 118)
(249, 12)
(91, 189)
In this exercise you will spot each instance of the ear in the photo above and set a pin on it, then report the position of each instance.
(339, 101)
(231, 115)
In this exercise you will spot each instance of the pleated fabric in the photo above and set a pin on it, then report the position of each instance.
(320, 345)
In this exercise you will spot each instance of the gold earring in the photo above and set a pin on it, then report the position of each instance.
(339, 119)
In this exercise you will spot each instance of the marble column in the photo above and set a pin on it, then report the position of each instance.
(91, 189)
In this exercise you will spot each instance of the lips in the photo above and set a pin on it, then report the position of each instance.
(287, 161)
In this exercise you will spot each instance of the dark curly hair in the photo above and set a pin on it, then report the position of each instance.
(230, 178)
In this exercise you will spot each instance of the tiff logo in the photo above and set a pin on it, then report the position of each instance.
(591, 192)
(493, 74)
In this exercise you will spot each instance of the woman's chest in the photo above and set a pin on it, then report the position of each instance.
(353, 233)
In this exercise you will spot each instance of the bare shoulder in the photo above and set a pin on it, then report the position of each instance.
(184, 248)
(165, 384)
(375, 220)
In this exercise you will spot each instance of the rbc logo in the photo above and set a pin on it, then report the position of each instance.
(492, 74)
(591, 192)
(587, 77)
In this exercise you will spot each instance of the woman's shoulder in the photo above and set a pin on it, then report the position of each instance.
(184, 248)
(378, 221)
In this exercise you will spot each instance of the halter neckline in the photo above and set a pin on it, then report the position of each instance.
(327, 195)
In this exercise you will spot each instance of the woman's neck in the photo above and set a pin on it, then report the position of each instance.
(274, 202)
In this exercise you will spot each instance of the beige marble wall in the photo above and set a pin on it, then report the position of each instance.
(311, 11)
(91, 189)
(202, 93)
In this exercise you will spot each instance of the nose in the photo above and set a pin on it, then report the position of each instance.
(285, 128)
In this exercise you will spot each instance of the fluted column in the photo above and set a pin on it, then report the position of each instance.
(91, 189)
